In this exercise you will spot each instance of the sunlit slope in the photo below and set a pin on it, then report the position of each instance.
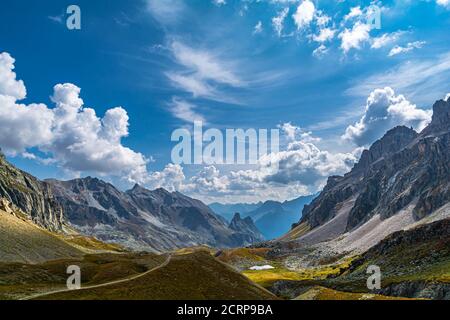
(22, 241)
(192, 276)
(24, 281)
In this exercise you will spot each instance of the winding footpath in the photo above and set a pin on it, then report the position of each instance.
(39, 295)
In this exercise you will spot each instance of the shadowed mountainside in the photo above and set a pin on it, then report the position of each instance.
(143, 219)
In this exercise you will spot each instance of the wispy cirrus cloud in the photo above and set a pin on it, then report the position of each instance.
(201, 72)
(167, 11)
(185, 111)
(58, 19)
(386, 39)
(204, 64)
(258, 28)
(420, 79)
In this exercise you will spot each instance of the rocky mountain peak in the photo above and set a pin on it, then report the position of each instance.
(441, 118)
(137, 189)
(246, 226)
(236, 218)
(403, 172)
(393, 141)
(441, 112)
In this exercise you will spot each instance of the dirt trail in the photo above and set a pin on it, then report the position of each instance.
(165, 263)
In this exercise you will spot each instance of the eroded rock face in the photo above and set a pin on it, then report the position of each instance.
(393, 141)
(30, 195)
(401, 169)
(418, 289)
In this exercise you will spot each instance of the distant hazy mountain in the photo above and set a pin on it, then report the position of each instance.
(143, 219)
(272, 218)
(228, 210)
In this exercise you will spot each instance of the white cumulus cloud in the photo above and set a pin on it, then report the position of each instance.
(171, 178)
(9, 86)
(355, 37)
(72, 135)
(354, 13)
(445, 3)
(304, 14)
(324, 35)
(385, 110)
(201, 71)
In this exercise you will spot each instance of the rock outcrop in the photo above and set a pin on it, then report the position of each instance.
(32, 196)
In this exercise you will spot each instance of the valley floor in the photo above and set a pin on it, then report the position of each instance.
(189, 274)
(415, 264)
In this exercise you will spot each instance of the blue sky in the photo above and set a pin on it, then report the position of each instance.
(315, 69)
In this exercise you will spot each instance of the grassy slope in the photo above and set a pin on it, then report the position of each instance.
(426, 259)
(193, 276)
(22, 280)
(22, 241)
(267, 278)
(194, 273)
(296, 232)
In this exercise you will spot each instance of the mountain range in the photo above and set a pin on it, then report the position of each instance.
(401, 182)
(392, 211)
(138, 219)
(265, 213)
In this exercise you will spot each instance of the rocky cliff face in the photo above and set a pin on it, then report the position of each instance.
(402, 170)
(247, 228)
(142, 219)
(30, 195)
(393, 141)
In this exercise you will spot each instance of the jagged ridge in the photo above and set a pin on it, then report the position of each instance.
(401, 169)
